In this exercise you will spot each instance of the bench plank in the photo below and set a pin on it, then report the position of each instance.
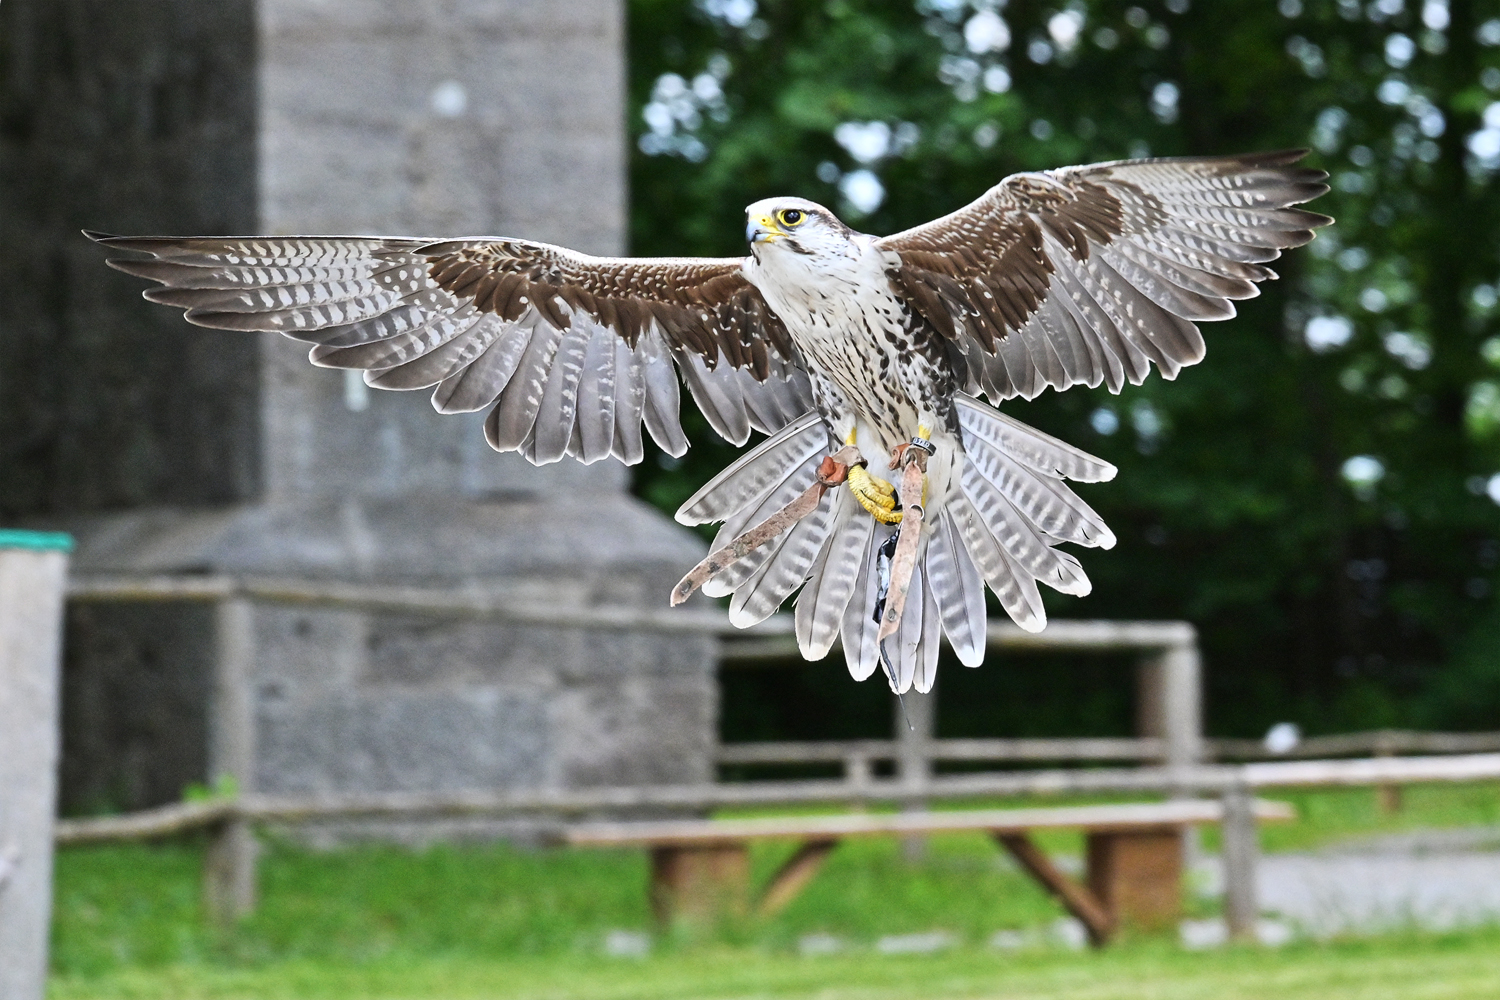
(1121, 817)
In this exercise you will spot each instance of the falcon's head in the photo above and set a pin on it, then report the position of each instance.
(797, 225)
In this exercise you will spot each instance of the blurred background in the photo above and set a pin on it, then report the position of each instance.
(1320, 495)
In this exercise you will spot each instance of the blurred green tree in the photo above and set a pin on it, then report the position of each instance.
(1320, 495)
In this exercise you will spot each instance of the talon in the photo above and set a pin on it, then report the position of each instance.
(875, 495)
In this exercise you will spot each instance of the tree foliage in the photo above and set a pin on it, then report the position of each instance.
(1319, 496)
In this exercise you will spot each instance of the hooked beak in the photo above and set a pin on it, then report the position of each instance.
(762, 230)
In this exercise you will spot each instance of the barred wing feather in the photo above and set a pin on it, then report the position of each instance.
(1090, 275)
(571, 353)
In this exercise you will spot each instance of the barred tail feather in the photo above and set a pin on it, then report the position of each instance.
(1027, 445)
(783, 571)
(999, 524)
(957, 591)
(753, 474)
(835, 570)
(858, 627)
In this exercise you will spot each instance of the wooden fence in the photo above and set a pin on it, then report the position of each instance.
(229, 870)
(1168, 669)
(1169, 740)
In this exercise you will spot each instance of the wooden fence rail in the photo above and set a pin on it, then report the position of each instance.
(1205, 780)
(836, 751)
(859, 754)
(1235, 784)
(1375, 743)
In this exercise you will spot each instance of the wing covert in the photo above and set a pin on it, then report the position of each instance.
(572, 353)
(1089, 275)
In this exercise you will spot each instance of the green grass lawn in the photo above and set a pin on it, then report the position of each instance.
(1463, 967)
(502, 921)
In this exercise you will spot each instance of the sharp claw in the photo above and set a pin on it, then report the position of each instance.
(875, 495)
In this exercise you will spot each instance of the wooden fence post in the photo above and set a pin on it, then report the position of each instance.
(858, 772)
(1387, 797)
(1241, 854)
(229, 865)
(915, 721)
(1169, 702)
(33, 575)
(1169, 707)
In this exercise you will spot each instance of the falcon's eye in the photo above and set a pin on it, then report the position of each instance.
(790, 217)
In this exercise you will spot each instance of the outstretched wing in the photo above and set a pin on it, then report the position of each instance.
(572, 352)
(1088, 274)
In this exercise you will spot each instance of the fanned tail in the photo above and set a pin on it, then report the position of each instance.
(999, 525)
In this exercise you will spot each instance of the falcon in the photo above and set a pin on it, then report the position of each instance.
(885, 489)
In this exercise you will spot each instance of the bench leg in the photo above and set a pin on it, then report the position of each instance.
(792, 877)
(699, 885)
(1138, 876)
(1082, 902)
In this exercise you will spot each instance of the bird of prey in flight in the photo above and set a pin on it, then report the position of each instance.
(886, 490)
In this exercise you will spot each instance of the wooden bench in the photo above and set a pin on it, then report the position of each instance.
(700, 870)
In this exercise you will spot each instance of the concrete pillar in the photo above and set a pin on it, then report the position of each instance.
(33, 573)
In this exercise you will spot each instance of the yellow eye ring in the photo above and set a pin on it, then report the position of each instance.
(790, 217)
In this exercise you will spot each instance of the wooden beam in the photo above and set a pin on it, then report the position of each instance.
(166, 821)
(1060, 635)
(792, 877)
(914, 718)
(773, 638)
(1077, 899)
(229, 876)
(1212, 780)
(1371, 771)
(464, 603)
(1366, 744)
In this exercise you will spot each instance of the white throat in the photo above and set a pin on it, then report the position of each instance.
(795, 282)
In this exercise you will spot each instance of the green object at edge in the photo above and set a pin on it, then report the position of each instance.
(38, 541)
